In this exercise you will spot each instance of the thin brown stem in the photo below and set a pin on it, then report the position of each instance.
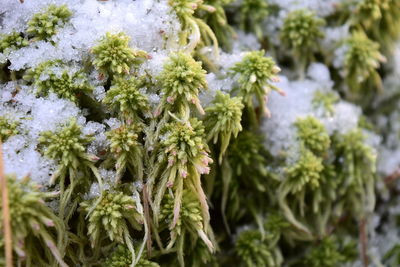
(6, 212)
(364, 242)
(147, 218)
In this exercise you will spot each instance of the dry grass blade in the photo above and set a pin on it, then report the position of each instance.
(6, 212)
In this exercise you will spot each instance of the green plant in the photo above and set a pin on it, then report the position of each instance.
(190, 221)
(38, 234)
(252, 14)
(114, 56)
(68, 147)
(223, 120)
(43, 25)
(55, 77)
(181, 80)
(301, 32)
(325, 101)
(122, 257)
(313, 135)
(12, 41)
(7, 128)
(362, 60)
(127, 150)
(256, 73)
(126, 100)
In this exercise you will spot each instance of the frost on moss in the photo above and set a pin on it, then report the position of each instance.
(12, 41)
(114, 56)
(58, 78)
(7, 128)
(43, 25)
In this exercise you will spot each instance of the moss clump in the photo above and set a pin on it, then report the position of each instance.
(114, 56)
(126, 100)
(8, 128)
(12, 41)
(39, 234)
(362, 60)
(223, 120)
(256, 73)
(43, 25)
(181, 80)
(58, 78)
(313, 135)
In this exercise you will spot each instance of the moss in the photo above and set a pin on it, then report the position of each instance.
(181, 80)
(56, 77)
(114, 56)
(256, 74)
(43, 25)
(8, 128)
(313, 135)
(223, 120)
(12, 41)
(362, 60)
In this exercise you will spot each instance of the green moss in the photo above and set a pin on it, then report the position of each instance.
(114, 56)
(43, 25)
(305, 172)
(256, 73)
(252, 14)
(126, 100)
(55, 77)
(313, 135)
(39, 234)
(223, 120)
(111, 214)
(181, 80)
(330, 253)
(301, 32)
(253, 251)
(122, 257)
(127, 150)
(326, 101)
(362, 60)
(12, 41)
(8, 128)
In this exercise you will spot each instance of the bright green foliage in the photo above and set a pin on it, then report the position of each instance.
(245, 154)
(126, 99)
(189, 222)
(253, 251)
(181, 80)
(329, 253)
(357, 170)
(218, 22)
(111, 215)
(301, 32)
(38, 234)
(256, 73)
(252, 14)
(122, 257)
(127, 150)
(7, 128)
(194, 31)
(12, 41)
(380, 19)
(113, 55)
(392, 257)
(326, 101)
(68, 145)
(313, 135)
(53, 76)
(45, 24)
(362, 61)
(223, 120)
(306, 171)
